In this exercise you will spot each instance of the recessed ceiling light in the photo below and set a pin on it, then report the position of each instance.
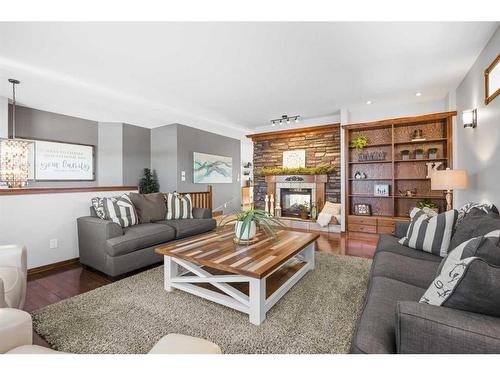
(369, 102)
(418, 94)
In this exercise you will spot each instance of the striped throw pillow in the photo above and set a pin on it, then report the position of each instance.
(430, 234)
(179, 207)
(120, 210)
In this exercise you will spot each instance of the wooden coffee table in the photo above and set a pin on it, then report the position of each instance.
(248, 278)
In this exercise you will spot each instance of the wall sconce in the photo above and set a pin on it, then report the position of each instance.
(469, 118)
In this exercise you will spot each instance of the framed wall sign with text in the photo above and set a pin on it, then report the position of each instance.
(58, 161)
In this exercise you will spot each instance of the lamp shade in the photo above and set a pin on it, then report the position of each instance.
(449, 179)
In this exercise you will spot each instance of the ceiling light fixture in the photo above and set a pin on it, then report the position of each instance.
(14, 153)
(418, 94)
(369, 102)
(285, 119)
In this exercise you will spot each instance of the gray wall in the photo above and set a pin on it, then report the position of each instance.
(110, 154)
(164, 156)
(34, 124)
(122, 150)
(478, 149)
(190, 140)
(136, 153)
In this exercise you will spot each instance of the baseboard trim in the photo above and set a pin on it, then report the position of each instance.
(53, 266)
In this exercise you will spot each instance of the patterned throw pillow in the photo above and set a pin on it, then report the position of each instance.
(469, 207)
(119, 210)
(469, 284)
(98, 204)
(431, 234)
(178, 207)
(484, 247)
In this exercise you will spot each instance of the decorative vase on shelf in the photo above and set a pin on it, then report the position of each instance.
(248, 233)
(313, 212)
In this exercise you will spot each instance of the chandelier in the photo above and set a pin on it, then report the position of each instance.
(14, 153)
(285, 119)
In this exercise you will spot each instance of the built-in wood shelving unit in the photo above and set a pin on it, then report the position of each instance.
(393, 136)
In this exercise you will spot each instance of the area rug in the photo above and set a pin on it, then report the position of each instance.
(317, 315)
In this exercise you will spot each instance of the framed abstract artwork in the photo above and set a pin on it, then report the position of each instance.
(212, 169)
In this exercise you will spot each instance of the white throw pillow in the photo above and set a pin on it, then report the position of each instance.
(331, 208)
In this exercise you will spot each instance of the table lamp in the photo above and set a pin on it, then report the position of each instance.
(449, 179)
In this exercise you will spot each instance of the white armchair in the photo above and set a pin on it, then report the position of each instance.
(13, 272)
(16, 338)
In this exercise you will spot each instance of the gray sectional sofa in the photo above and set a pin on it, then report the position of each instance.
(113, 250)
(392, 320)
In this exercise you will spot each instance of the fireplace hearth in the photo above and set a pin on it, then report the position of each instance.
(292, 199)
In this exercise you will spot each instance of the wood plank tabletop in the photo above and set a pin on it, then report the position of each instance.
(217, 250)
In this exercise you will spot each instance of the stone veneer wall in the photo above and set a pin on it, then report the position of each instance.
(321, 149)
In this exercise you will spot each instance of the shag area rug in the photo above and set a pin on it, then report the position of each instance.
(317, 315)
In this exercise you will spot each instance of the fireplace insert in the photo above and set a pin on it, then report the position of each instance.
(292, 199)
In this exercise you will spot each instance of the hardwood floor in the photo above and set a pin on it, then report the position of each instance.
(49, 287)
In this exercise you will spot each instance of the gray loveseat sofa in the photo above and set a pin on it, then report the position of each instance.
(113, 250)
(392, 320)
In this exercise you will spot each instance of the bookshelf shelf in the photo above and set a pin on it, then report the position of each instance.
(391, 137)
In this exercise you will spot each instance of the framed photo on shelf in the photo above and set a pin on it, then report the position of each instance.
(362, 209)
(381, 190)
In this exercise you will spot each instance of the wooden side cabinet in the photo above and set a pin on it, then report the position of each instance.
(372, 224)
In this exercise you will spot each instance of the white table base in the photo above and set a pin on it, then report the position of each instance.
(256, 305)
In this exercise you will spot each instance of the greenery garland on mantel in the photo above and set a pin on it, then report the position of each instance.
(324, 169)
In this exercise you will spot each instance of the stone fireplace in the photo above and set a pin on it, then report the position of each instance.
(321, 144)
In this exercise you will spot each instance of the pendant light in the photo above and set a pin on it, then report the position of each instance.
(14, 153)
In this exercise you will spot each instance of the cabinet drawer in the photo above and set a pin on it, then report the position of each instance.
(363, 220)
(362, 228)
(386, 222)
(386, 229)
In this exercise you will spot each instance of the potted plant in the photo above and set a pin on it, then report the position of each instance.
(428, 204)
(359, 142)
(405, 154)
(304, 211)
(432, 152)
(419, 153)
(246, 223)
(149, 183)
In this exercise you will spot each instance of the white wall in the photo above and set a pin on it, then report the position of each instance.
(375, 112)
(33, 220)
(479, 149)
(109, 154)
(4, 117)
(303, 123)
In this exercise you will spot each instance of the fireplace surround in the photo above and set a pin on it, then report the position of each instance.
(295, 187)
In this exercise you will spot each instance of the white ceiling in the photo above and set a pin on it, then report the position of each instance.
(231, 76)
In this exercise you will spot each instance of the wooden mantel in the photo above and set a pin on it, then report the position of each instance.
(293, 132)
